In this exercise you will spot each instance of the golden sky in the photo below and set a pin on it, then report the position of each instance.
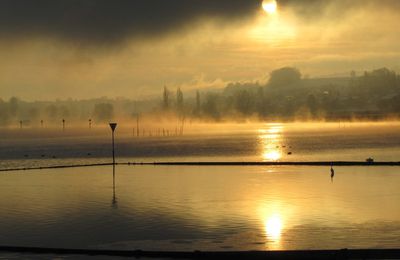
(61, 49)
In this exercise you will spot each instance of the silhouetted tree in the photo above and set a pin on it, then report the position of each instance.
(261, 104)
(284, 77)
(13, 106)
(103, 112)
(244, 102)
(198, 101)
(179, 100)
(64, 112)
(51, 112)
(166, 98)
(210, 107)
(4, 113)
(33, 113)
(312, 104)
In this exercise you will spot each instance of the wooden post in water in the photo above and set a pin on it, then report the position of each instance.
(63, 123)
(20, 124)
(90, 123)
(41, 123)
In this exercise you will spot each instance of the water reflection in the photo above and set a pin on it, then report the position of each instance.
(270, 140)
(114, 202)
(272, 155)
(272, 219)
(273, 228)
(202, 208)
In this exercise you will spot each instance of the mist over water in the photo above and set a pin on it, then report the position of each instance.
(207, 142)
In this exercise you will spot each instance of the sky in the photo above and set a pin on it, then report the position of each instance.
(82, 49)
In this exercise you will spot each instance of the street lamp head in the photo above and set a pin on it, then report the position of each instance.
(113, 126)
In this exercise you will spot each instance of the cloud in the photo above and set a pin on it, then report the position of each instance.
(314, 9)
(80, 49)
(106, 22)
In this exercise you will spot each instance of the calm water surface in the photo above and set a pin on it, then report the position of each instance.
(203, 208)
(248, 142)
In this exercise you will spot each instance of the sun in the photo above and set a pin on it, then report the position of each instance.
(269, 6)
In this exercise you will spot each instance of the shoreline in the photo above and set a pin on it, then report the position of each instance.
(284, 254)
(311, 163)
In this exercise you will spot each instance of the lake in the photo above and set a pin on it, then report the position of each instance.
(208, 207)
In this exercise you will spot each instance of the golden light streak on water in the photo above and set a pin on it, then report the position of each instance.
(272, 217)
(270, 139)
(272, 156)
(273, 227)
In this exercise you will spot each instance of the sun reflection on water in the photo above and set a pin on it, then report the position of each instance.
(270, 141)
(272, 216)
(275, 129)
(272, 155)
(273, 227)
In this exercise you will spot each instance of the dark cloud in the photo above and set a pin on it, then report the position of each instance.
(109, 21)
(312, 9)
(113, 21)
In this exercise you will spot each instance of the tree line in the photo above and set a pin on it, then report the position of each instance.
(290, 96)
(286, 96)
